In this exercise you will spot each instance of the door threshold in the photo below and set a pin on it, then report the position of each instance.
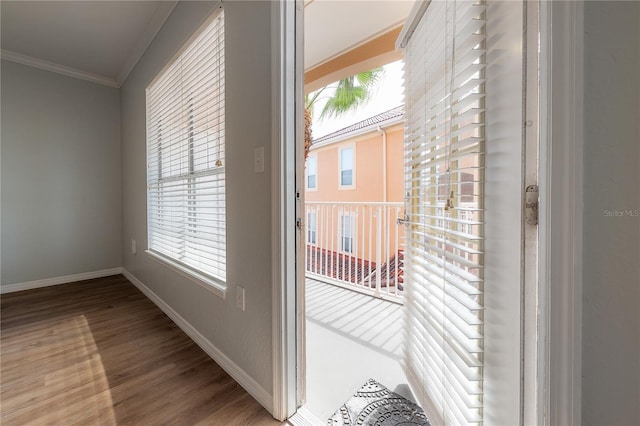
(304, 417)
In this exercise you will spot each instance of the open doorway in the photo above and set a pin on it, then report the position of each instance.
(465, 220)
(353, 203)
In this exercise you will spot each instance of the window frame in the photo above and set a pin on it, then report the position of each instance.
(213, 283)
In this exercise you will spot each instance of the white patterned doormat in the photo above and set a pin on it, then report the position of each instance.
(375, 405)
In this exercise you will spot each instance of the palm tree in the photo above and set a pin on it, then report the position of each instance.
(349, 94)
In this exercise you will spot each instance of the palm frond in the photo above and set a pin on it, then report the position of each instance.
(369, 78)
(311, 98)
(351, 93)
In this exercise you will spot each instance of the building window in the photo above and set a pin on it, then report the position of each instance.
(312, 172)
(312, 227)
(186, 158)
(346, 167)
(347, 225)
(467, 182)
(461, 183)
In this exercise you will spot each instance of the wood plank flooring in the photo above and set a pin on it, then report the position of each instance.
(99, 352)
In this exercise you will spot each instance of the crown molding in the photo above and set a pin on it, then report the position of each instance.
(155, 24)
(157, 21)
(60, 69)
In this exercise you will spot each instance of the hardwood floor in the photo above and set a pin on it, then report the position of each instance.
(99, 352)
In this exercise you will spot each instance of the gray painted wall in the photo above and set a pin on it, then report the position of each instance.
(245, 337)
(611, 263)
(61, 176)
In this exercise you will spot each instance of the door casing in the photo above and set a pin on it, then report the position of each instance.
(554, 374)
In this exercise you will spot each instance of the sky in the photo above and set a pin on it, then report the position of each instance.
(388, 95)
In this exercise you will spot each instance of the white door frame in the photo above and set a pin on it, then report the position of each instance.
(561, 204)
(286, 83)
(530, 385)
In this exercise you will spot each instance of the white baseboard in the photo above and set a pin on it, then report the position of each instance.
(239, 375)
(10, 288)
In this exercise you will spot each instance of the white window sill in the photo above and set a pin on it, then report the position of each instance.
(203, 281)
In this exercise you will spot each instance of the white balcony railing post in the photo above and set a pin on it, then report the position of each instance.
(378, 250)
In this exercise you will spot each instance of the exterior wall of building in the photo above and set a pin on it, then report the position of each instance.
(369, 167)
(362, 202)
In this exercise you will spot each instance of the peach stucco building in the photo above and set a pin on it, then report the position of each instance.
(354, 185)
(371, 150)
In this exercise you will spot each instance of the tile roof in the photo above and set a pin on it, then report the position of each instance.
(338, 265)
(361, 125)
(348, 268)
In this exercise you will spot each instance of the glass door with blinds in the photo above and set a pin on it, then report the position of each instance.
(463, 168)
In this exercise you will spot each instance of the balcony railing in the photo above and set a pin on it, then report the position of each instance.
(356, 245)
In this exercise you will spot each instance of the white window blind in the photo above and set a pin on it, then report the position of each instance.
(444, 140)
(186, 156)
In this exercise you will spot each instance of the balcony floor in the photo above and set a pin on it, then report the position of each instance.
(351, 337)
